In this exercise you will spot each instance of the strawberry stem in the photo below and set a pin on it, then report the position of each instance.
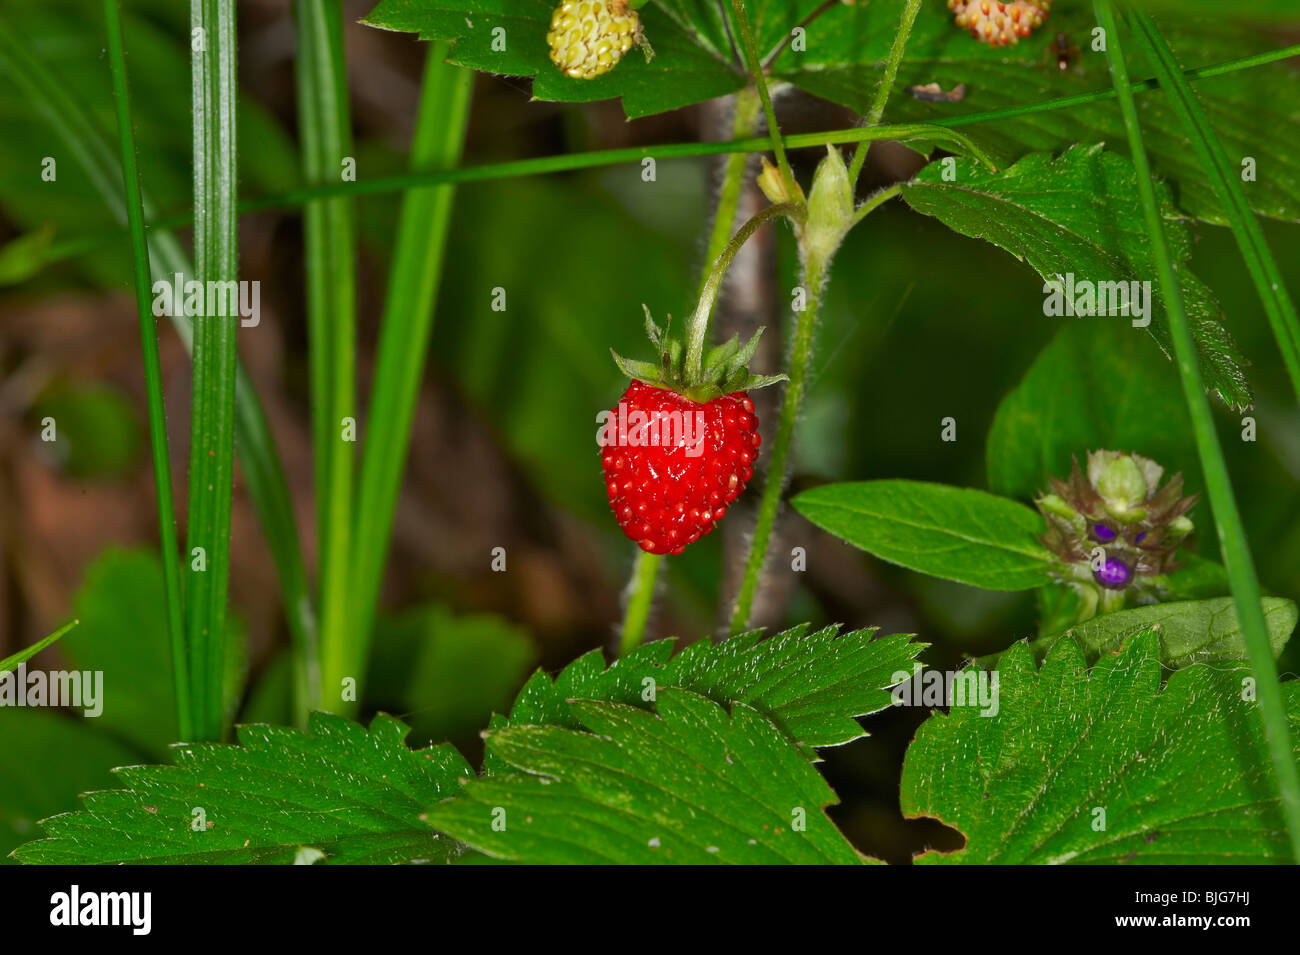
(755, 64)
(814, 280)
(640, 598)
(877, 111)
(699, 324)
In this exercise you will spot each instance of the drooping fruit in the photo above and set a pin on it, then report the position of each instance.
(588, 37)
(997, 23)
(680, 445)
(673, 465)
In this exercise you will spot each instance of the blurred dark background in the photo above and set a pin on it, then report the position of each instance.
(920, 324)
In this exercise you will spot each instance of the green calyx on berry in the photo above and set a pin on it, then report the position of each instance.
(724, 370)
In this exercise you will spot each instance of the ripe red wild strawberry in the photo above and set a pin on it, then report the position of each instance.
(680, 445)
(668, 494)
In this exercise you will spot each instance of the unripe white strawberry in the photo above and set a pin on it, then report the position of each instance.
(588, 37)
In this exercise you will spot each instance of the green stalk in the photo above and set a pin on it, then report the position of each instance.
(330, 233)
(645, 570)
(569, 162)
(162, 474)
(212, 430)
(755, 63)
(262, 470)
(877, 111)
(1226, 182)
(641, 594)
(405, 328)
(733, 179)
(698, 330)
(1236, 552)
(814, 280)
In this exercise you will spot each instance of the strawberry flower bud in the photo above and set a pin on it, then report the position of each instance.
(773, 185)
(830, 207)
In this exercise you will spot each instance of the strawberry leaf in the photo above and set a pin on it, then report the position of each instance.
(688, 784)
(353, 794)
(1069, 215)
(1103, 765)
(811, 686)
(692, 60)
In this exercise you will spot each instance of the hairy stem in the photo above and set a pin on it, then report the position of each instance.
(699, 324)
(755, 63)
(641, 592)
(875, 202)
(813, 280)
(733, 179)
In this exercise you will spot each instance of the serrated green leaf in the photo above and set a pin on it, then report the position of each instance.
(811, 686)
(1189, 631)
(1071, 215)
(689, 64)
(956, 533)
(846, 49)
(354, 794)
(691, 784)
(1103, 765)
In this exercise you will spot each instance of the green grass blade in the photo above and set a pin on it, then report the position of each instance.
(405, 329)
(162, 475)
(1227, 186)
(262, 469)
(1236, 552)
(212, 427)
(22, 656)
(330, 231)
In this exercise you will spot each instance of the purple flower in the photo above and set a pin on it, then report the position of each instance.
(1114, 574)
(1103, 533)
